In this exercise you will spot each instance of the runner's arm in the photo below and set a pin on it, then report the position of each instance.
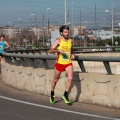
(7, 45)
(53, 48)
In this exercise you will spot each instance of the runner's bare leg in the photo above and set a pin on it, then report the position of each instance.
(69, 71)
(55, 79)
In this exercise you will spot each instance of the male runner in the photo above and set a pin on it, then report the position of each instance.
(63, 47)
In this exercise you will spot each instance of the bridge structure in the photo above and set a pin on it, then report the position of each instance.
(96, 78)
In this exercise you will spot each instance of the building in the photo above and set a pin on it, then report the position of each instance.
(1, 30)
(104, 34)
(10, 31)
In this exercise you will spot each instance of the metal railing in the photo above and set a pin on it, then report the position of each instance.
(27, 51)
(47, 60)
(97, 49)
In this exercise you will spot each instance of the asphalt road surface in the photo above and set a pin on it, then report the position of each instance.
(20, 105)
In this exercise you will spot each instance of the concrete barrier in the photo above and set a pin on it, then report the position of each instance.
(93, 88)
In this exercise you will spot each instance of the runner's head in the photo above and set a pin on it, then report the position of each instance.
(64, 31)
(2, 37)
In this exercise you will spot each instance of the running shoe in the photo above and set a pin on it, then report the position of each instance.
(65, 98)
(52, 101)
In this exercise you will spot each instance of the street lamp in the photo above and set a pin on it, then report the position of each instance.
(65, 12)
(19, 24)
(43, 30)
(31, 28)
(112, 21)
(119, 24)
(73, 20)
(19, 21)
(85, 42)
(48, 24)
(31, 18)
(105, 33)
(9, 23)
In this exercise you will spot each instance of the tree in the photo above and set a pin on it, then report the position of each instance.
(117, 39)
(29, 35)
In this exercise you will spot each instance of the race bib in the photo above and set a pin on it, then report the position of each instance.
(1, 47)
(66, 56)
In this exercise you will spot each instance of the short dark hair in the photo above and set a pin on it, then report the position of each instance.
(63, 27)
(2, 36)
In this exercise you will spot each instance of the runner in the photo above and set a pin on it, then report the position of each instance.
(63, 47)
(3, 45)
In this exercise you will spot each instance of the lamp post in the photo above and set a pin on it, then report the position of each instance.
(112, 20)
(80, 29)
(9, 23)
(105, 33)
(48, 24)
(73, 20)
(19, 23)
(31, 28)
(112, 23)
(65, 7)
(119, 24)
(31, 18)
(85, 42)
(9, 34)
(43, 31)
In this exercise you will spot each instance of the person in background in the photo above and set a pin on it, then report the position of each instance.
(3, 46)
(63, 47)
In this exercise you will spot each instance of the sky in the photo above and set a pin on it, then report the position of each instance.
(14, 11)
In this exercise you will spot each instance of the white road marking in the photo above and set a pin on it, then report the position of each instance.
(58, 109)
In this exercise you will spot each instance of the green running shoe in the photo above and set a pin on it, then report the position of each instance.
(65, 98)
(52, 101)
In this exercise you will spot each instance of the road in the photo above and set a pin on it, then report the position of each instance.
(20, 105)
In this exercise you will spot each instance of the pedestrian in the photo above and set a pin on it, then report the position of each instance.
(63, 47)
(3, 46)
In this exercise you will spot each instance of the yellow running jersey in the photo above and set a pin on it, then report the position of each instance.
(66, 46)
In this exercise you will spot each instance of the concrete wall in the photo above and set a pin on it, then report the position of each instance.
(93, 88)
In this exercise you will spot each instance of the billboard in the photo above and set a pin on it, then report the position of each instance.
(54, 35)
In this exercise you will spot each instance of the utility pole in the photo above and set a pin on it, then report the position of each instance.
(48, 25)
(85, 42)
(48, 31)
(112, 12)
(19, 30)
(112, 23)
(32, 29)
(43, 31)
(36, 29)
(80, 28)
(95, 27)
(68, 22)
(68, 17)
(65, 12)
(73, 21)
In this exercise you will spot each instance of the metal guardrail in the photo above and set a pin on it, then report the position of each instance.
(13, 58)
(76, 50)
(97, 47)
(29, 51)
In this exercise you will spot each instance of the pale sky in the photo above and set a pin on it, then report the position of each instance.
(13, 10)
